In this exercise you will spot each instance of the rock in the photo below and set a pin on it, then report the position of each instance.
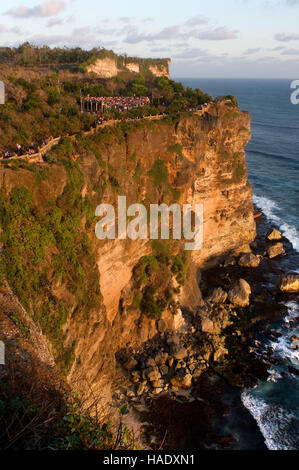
(141, 389)
(158, 384)
(157, 391)
(136, 377)
(229, 261)
(130, 364)
(182, 382)
(164, 369)
(153, 375)
(151, 362)
(249, 260)
(178, 320)
(275, 250)
(180, 353)
(220, 353)
(289, 283)
(274, 235)
(293, 370)
(239, 294)
(207, 326)
(170, 361)
(218, 296)
(200, 368)
(161, 358)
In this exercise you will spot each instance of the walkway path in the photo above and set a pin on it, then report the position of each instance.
(38, 156)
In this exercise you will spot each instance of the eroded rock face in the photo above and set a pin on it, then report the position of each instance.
(239, 294)
(205, 161)
(289, 283)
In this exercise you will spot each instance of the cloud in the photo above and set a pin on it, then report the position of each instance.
(217, 34)
(252, 51)
(292, 3)
(196, 21)
(124, 19)
(15, 29)
(165, 34)
(54, 22)
(290, 52)
(44, 9)
(80, 37)
(286, 37)
(191, 53)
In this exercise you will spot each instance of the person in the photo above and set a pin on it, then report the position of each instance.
(7, 154)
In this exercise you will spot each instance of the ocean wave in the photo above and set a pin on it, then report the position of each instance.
(283, 346)
(278, 425)
(269, 207)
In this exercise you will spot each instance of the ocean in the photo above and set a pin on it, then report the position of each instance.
(273, 168)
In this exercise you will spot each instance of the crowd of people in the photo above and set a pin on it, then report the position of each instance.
(20, 150)
(120, 103)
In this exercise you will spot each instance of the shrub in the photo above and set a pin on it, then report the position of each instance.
(159, 173)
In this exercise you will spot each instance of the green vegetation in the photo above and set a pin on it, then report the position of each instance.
(159, 173)
(239, 170)
(153, 276)
(43, 243)
(35, 418)
(176, 148)
(20, 323)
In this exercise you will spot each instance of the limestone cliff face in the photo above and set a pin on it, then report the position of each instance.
(205, 161)
(109, 67)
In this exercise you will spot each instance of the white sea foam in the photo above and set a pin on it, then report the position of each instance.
(284, 347)
(274, 376)
(269, 208)
(277, 424)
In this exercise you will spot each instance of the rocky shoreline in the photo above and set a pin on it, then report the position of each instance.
(174, 375)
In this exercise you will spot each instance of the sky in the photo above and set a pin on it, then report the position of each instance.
(204, 38)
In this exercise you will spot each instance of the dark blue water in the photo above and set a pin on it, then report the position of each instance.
(273, 167)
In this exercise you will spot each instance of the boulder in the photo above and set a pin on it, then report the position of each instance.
(294, 338)
(200, 368)
(153, 375)
(239, 294)
(229, 261)
(164, 369)
(274, 235)
(289, 283)
(182, 382)
(141, 389)
(207, 326)
(217, 296)
(130, 364)
(180, 353)
(275, 250)
(150, 362)
(249, 260)
(158, 383)
(220, 353)
(161, 358)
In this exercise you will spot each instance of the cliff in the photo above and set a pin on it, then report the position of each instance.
(93, 299)
(111, 66)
